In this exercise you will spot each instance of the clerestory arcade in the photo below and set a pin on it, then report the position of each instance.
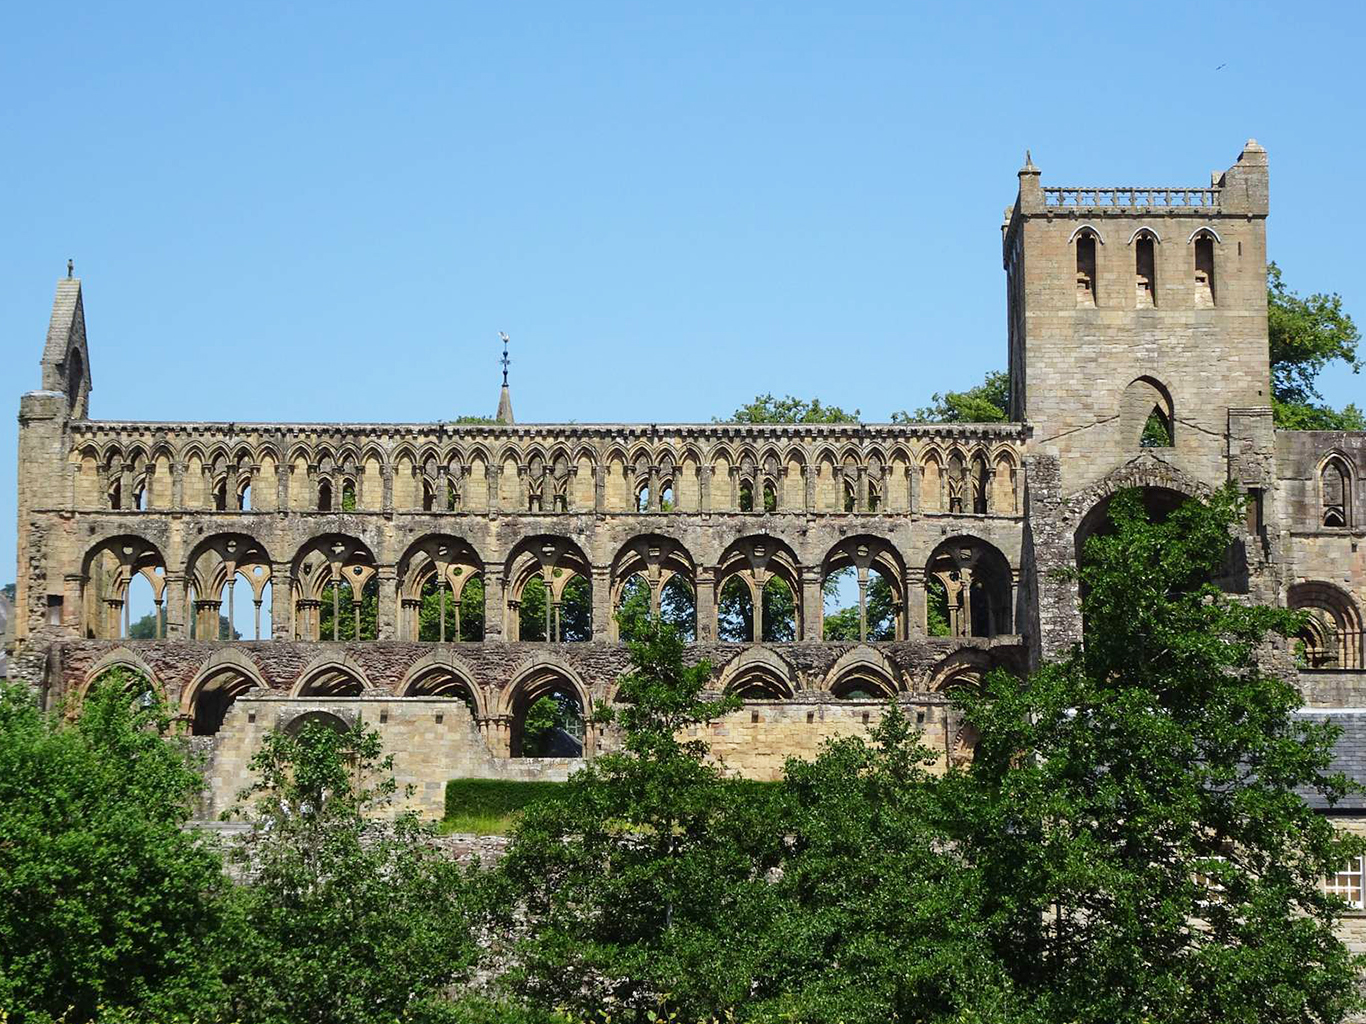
(438, 580)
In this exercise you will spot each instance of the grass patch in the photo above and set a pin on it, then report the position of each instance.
(491, 807)
(479, 824)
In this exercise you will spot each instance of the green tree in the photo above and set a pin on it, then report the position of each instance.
(576, 610)
(988, 402)
(145, 628)
(790, 409)
(880, 610)
(109, 900)
(1136, 809)
(346, 614)
(878, 918)
(471, 612)
(636, 881)
(1306, 335)
(348, 917)
(633, 612)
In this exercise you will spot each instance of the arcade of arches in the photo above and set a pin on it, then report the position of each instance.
(469, 586)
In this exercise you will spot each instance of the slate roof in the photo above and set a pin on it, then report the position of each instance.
(1349, 757)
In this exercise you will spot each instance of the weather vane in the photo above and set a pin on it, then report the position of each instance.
(505, 359)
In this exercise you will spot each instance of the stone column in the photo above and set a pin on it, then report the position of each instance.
(283, 471)
(914, 600)
(281, 602)
(704, 475)
(177, 485)
(705, 595)
(813, 604)
(177, 625)
(602, 602)
(809, 488)
(71, 601)
(386, 610)
(495, 604)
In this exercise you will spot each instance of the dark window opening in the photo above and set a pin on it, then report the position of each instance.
(1086, 269)
(1145, 271)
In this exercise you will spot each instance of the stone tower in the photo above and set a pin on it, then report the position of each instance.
(44, 443)
(1128, 303)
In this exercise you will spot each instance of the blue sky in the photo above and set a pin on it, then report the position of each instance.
(327, 212)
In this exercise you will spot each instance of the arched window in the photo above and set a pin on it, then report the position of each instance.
(1204, 269)
(746, 496)
(981, 486)
(1145, 415)
(643, 499)
(325, 719)
(975, 581)
(1335, 493)
(348, 496)
(325, 496)
(770, 498)
(862, 587)
(735, 613)
(213, 697)
(1087, 290)
(547, 718)
(1331, 634)
(1145, 269)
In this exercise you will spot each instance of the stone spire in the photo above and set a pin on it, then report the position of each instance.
(505, 396)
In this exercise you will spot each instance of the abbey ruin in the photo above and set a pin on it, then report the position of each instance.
(1137, 339)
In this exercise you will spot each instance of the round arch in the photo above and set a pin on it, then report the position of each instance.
(862, 673)
(758, 673)
(300, 722)
(557, 561)
(1331, 634)
(330, 676)
(108, 570)
(444, 675)
(756, 561)
(548, 677)
(120, 658)
(974, 582)
(227, 675)
(871, 558)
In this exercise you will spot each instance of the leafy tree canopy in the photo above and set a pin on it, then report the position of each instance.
(637, 879)
(877, 918)
(768, 409)
(1307, 333)
(145, 628)
(109, 901)
(349, 918)
(1136, 809)
(985, 403)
